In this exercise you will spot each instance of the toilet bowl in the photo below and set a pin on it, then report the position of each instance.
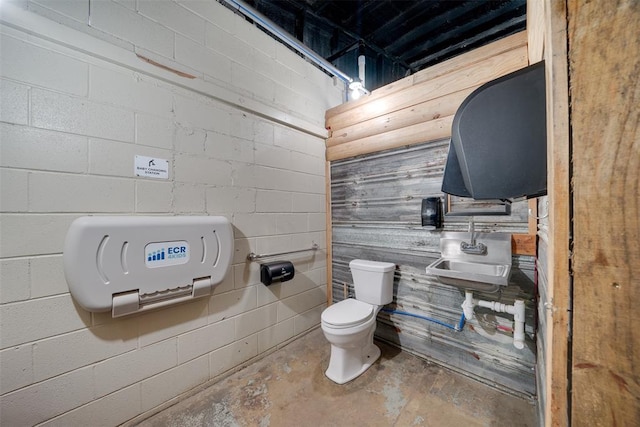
(349, 325)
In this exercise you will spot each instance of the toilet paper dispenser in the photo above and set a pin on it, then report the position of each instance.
(276, 271)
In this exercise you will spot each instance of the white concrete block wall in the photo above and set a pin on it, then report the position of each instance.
(71, 123)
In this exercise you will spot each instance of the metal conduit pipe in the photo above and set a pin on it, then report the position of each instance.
(281, 35)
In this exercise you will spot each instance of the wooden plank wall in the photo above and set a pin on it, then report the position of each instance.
(420, 107)
(375, 210)
(604, 58)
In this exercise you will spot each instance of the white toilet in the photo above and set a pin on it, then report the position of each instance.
(349, 324)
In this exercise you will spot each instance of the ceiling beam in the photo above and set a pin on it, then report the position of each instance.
(431, 27)
(510, 27)
(443, 39)
(356, 39)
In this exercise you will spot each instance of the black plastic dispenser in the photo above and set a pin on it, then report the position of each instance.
(431, 213)
(276, 271)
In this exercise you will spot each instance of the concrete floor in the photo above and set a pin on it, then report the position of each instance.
(288, 388)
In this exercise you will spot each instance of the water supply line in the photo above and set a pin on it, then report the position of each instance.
(281, 35)
(517, 310)
(457, 327)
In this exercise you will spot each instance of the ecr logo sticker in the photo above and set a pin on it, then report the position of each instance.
(163, 254)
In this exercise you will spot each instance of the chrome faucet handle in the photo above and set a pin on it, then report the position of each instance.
(473, 249)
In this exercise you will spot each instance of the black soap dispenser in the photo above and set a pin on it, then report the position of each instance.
(431, 213)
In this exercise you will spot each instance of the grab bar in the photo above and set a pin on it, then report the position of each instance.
(253, 257)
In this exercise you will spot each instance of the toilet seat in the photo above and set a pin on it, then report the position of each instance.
(347, 313)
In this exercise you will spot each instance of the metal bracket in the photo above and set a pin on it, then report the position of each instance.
(549, 306)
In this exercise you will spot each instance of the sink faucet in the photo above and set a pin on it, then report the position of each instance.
(473, 248)
(472, 233)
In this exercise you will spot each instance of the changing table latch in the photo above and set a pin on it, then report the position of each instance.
(131, 302)
(125, 303)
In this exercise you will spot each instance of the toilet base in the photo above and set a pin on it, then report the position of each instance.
(346, 364)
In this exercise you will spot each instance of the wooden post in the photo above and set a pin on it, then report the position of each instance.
(604, 58)
(557, 307)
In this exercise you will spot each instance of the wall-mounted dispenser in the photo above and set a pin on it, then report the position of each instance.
(129, 264)
(498, 144)
(431, 213)
(276, 271)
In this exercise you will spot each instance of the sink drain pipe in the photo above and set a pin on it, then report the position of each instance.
(517, 310)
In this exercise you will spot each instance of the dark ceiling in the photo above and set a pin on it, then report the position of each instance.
(398, 37)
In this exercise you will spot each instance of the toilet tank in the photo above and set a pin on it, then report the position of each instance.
(373, 281)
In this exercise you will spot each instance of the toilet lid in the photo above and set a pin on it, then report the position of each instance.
(347, 313)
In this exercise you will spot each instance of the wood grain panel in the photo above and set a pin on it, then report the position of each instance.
(523, 244)
(558, 161)
(431, 110)
(535, 30)
(481, 72)
(414, 134)
(556, 384)
(376, 94)
(605, 95)
(462, 61)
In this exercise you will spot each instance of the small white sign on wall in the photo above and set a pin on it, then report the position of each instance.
(151, 167)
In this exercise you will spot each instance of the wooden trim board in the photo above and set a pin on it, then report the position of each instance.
(410, 135)
(429, 110)
(523, 244)
(557, 307)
